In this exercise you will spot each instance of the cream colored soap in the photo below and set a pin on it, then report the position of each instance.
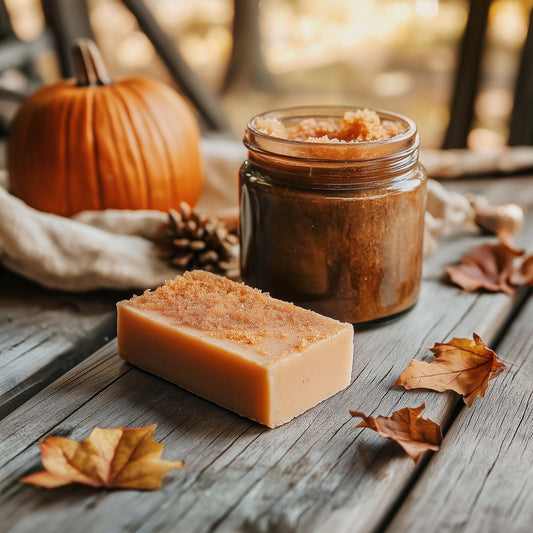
(263, 358)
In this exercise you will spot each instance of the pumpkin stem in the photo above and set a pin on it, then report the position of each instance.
(89, 65)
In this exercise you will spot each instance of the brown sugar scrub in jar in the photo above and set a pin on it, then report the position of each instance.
(332, 210)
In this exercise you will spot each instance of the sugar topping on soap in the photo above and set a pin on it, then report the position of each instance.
(355, 126)
(234, 311)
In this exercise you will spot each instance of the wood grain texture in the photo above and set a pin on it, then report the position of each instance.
(317, 473)
(481, 479)
(44, 333)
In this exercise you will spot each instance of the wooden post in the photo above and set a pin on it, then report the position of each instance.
(247, 67)
(467, 75)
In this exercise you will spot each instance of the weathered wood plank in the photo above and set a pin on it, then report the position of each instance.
(44, 333)
(316, 473)
(481, 479)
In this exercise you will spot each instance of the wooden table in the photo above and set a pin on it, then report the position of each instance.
(60, 375)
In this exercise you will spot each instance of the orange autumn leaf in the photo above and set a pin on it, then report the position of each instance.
(126, 458)
(492, 267)
(414, 434)
(462, 365)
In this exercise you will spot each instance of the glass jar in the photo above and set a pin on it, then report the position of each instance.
(336, 227)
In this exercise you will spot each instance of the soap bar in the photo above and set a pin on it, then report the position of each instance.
(261, 357)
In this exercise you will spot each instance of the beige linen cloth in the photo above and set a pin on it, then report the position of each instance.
(113, 248)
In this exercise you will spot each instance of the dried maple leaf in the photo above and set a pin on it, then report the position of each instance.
(488, 266)
(462, 365)
(414, 434)
(121, 458)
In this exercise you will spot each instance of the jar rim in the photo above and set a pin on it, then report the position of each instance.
(259, 141)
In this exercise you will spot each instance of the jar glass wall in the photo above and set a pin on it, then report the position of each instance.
(335, 227)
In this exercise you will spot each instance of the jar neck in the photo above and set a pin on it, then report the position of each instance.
(335, 164)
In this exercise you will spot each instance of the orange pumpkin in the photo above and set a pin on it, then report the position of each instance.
(92, 143)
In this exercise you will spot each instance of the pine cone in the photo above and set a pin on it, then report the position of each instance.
(191, 241)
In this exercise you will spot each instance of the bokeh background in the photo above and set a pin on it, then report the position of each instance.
(392, 54)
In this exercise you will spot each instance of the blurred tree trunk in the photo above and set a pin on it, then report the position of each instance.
(247, 69)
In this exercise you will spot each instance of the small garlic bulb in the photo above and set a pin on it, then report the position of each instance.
(499, 219)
